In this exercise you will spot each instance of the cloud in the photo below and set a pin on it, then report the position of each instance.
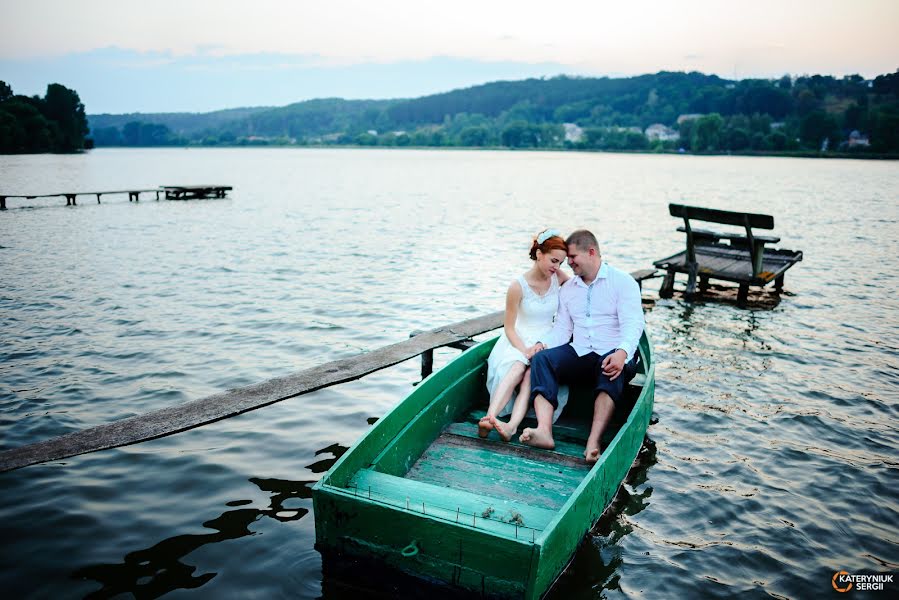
(113, 80)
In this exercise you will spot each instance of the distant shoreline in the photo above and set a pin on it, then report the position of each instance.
(784, 154)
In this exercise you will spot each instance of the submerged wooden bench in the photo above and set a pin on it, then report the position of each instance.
(739, 257)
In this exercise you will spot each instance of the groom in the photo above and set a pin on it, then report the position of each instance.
(601, 306)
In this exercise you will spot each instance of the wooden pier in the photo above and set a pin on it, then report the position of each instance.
(171, 192)
(175, 419)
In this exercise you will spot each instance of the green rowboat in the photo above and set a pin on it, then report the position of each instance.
(422, 495)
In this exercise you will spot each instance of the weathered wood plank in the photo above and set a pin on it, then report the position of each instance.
(492, 472)
(564, 445)
(726, 217)
(207, 410)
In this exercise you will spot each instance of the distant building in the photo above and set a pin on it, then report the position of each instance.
(573, 133)
(857, 140)
(777, 125)
(660, 132)
(373, 132)
(688, 117)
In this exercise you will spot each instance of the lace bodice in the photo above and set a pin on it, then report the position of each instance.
(536, 312)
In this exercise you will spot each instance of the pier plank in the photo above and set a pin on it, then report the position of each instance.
(175, 419)
(179, 192)
(214, 408)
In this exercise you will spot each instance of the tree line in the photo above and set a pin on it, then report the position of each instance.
(700, 114)
(54, 123)
(705, 114)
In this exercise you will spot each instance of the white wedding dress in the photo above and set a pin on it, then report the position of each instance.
(535, 319)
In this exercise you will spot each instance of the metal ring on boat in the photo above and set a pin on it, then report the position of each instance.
(410, 550)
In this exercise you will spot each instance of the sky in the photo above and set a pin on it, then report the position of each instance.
(125, 56)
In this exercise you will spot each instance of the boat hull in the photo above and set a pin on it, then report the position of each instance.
(421, 494)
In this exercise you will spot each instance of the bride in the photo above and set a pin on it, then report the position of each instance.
(531, 304)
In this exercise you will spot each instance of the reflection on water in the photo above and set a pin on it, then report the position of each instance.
(598, 559)
(774, 428)
(155, 571)
(320, 466)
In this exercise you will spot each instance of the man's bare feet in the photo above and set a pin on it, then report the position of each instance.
(484, 426)
(538, 439)
(503, 429)
(591, 455)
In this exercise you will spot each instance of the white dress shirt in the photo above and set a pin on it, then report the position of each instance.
(603, 316)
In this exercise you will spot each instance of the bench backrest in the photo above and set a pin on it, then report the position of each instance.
(726, 217)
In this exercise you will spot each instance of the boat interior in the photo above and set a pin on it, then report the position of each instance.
(440, 466)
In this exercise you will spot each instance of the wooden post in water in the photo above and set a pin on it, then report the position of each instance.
(427, 357)
(70, 200)
(2, 202)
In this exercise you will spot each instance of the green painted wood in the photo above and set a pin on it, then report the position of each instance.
(596, 491)
(495, 514)
(449, 405)
(376, 439)
(478, 557)
(466, 557)
(565, 444)
(497, 473)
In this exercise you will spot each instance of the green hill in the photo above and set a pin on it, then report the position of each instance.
(700, 113)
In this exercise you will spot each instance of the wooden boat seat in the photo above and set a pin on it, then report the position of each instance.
(480, 511)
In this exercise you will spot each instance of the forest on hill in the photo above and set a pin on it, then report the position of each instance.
(54, 123)
(663, 111)
(666, 111)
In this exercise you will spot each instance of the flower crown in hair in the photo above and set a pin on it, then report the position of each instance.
(547, 234)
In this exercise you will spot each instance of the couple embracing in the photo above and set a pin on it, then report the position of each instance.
(559, 330)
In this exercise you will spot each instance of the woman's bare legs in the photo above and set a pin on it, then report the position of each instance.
(501, 397)
(519, 410)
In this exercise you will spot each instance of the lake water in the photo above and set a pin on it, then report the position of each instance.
(772, 459)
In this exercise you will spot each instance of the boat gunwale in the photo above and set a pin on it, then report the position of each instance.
(610, 449)
(542, 573)
(424, 384)
(647, 359)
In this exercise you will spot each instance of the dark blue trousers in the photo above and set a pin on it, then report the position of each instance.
(561, 364)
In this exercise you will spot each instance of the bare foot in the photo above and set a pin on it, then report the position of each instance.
(591, 455)
(537, 438)
(503, 429)
(484, 426)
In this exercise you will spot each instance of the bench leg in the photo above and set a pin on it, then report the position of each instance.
(779, 283)
(703, 284)
(743, 295)
(667, 289)
(691, 281)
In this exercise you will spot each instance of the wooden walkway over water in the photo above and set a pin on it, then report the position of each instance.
(171, 192)
(175, 419)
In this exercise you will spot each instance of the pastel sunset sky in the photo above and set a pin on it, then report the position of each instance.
(201, 55)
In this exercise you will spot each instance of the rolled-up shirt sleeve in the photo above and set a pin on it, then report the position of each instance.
(630, 317)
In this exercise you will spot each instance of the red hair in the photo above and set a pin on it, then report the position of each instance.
(551, 243)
